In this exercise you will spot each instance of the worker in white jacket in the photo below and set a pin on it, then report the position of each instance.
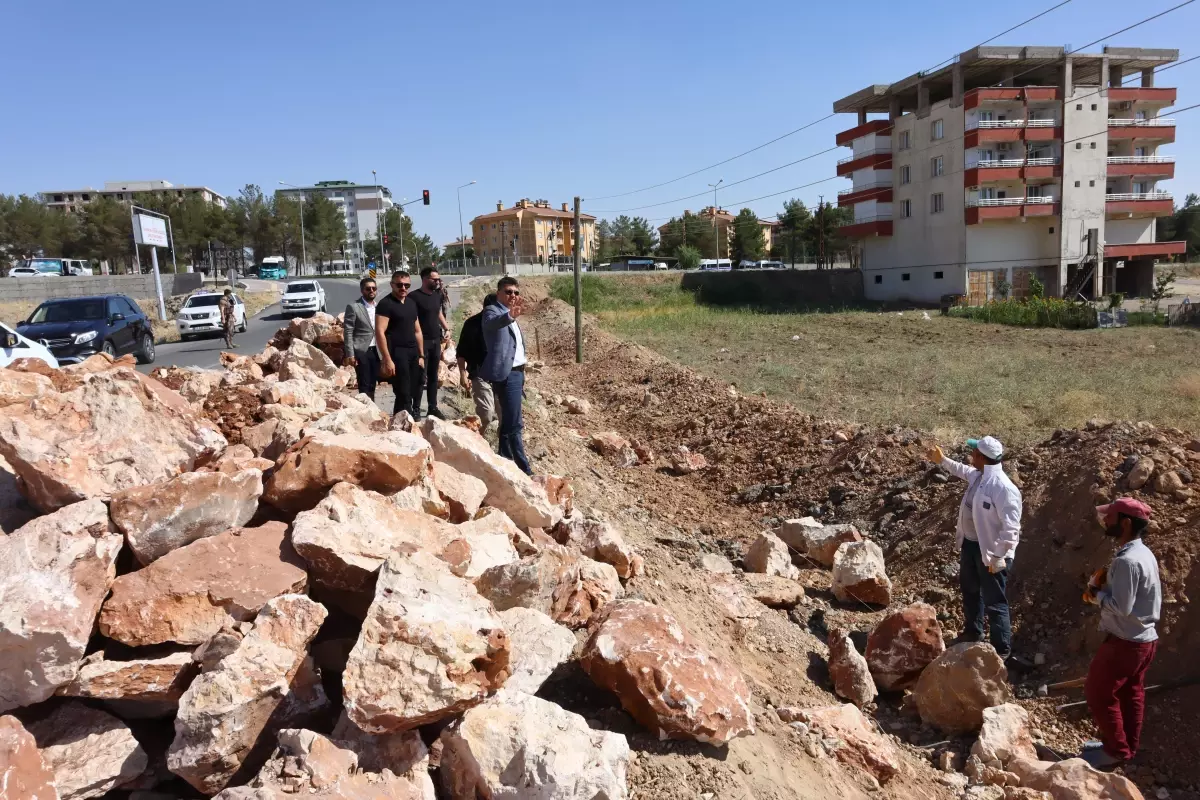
(989, 527)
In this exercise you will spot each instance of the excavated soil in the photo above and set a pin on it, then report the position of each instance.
(770, 461)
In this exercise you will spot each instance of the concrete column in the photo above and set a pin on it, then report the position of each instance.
(1068, 80)
(1105, 77)
(1148, 78)
(862, 116)
(1098, 280)
(1009, 75)
(956, 77)
(1116, 75)
(922, 100)
(894, 109)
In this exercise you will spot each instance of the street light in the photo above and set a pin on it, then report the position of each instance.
(378, 216)
(303, 247)
(716, 236)
(462, 240)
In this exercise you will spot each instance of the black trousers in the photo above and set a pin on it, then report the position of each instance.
(429, 376)
(407, 381)
(367, 372)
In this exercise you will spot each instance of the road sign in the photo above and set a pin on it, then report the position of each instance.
(150, 230)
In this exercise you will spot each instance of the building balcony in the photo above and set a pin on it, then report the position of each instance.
(1013, 130)
(878, 225)
(866, 129)
(984, 209)
(881, 191)
(1153, 204)
(1144, 249)
(983, 95)
(1159, 166)
(1160, 128)
(1148, 95)
(1012, 169)
(879, 158)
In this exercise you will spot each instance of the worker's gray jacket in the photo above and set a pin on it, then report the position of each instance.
(1131, 601)
(358, 333)
(995, 509)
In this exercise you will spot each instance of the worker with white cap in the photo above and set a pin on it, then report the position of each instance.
(989, 527)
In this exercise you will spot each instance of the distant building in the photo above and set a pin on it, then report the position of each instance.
(725, 227)
(532, 231)
(451, 248)
(1011, 163)
(72, 200)
(360, 204)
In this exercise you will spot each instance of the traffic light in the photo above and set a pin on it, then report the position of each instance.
(386, 240)
(425, 196)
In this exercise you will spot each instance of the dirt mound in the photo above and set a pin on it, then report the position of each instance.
(770, 461)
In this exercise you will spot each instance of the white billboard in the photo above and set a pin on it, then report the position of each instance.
(150, 230)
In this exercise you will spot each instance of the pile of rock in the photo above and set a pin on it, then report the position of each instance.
(303, 607)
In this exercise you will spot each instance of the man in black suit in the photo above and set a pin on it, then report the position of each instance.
(471, 351)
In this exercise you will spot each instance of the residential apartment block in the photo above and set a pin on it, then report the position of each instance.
(532, 231)
(360, 204)
(1011, 163)
(724, 223)
(72, 200)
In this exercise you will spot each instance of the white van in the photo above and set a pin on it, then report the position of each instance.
(13, 346)
(56, 266)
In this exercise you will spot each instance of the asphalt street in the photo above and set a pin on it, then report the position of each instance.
(206, 353)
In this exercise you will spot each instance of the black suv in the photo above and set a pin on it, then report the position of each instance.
(77, 327)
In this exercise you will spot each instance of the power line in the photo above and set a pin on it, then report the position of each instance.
(816, 121)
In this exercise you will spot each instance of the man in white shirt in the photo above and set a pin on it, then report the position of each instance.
(358, 338)
(989, 527)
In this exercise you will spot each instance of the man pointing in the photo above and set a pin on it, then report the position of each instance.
(989, 527)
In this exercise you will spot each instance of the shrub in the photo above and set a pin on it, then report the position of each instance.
(1036, 312)
(689, 257)
(1037, 289)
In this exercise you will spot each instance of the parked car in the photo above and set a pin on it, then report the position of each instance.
(77, 327)
(13, 346)
(42, 267)
(202, 314)
(29, 272)
(303, 297)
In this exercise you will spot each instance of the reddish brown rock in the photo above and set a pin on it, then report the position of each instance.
(684, 462)
(768, 555)
(851, 677)
(151, 686)
(903, 644)
(858, 745)
(239, 457)
(383, 462)
(954, 690)
(161, 517)
(816, 542)
(599, 541)
(350, 533)
(463, 493)
(1073, 779)
(773, 591)
(562, 584)
(859, 574)
(1005, 735)
(191, 593)
(224, 712)
(663, 677)
(18, 388)
(90, 752)
(23, 773)
(431, 647)
(422, 496)
(54, 574)
(558, 491)
(614, 447)
(77, 444)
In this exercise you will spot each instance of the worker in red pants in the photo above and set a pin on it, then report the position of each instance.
(1129, 594)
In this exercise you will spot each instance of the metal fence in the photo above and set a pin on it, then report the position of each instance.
(1183, 314)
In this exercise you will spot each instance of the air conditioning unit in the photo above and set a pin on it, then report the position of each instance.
(1126, 105)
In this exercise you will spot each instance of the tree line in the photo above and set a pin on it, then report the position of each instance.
(801, 235)
(253, 222)
(1183, 226)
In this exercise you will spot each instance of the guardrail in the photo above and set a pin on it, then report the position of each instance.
(876, 185)
(1015, 123)
(1123, 196)
(1018, 162)
(1141, 159)
(856, 156)
(985, 202)
(1153, 122)
(873, 218)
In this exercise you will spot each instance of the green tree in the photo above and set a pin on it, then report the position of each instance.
(794, 223)
(689, 256)
(107, 234)
(825, 241)
(1183, 225)
(748, 240)
(325, 229)
(688, 229)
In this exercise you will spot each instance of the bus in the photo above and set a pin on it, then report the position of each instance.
(715, 265)
(273, 268)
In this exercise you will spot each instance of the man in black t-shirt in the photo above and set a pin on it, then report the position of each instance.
(399, 341)
(428, 300)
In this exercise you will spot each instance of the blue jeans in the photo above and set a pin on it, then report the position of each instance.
(984, 590)
(509, 394)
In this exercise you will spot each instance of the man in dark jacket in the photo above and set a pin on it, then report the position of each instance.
(471, 352)
(504, 367)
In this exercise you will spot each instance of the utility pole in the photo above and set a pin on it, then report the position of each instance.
(402, 264)
(504, 247)
(578, 287)
(716, 236)
(821, 231)
(378, 222)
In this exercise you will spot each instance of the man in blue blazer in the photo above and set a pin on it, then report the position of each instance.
(504, 366)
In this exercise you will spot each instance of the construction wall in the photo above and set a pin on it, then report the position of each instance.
(37, 289)
(778, 289)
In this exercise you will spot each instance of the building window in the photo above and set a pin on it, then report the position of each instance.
(937, 203)
(904, 145)
(58, 198)
(1093, 145)
(905, 209)
(904, 175)
(906, 276)
(1076, 184)
(937, 130)
(1051, 229)
(1079, 106)
(1079, 145)
(1091, 183)
(935, 167)
(87, 197)
(879, 279)
(937, 276)
(1093, 106)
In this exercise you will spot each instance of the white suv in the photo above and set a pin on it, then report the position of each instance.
(13, 346)
(202, 314)
(303, 297)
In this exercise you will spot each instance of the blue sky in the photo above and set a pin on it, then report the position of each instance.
(531, 100)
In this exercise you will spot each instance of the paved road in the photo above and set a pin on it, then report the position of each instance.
(206, 353)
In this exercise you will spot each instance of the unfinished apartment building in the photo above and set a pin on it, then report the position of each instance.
(1009, 164)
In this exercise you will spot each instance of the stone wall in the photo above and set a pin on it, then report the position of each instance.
(136, 286)
(777, 289)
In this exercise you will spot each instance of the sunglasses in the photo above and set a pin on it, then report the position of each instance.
(402, 285)
(370, 288)
(513, 292)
